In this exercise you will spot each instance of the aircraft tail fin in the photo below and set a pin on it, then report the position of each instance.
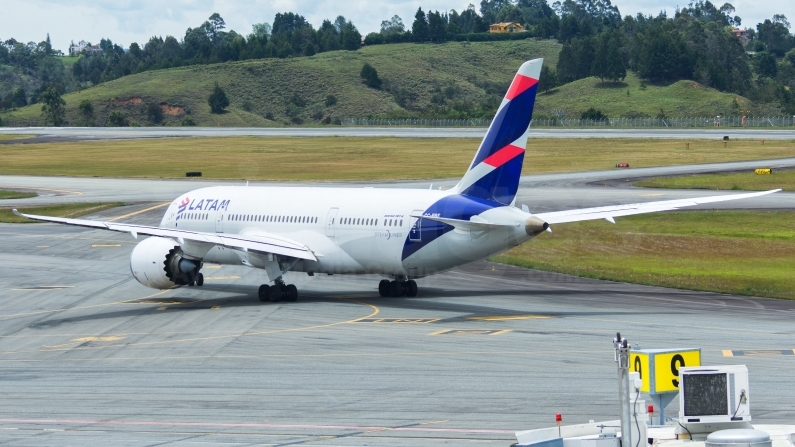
(495, 171)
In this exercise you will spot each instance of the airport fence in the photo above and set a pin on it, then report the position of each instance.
(677, 123)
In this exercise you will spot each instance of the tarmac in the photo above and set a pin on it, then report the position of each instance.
(90, 357)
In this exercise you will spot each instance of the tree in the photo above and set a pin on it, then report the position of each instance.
(218, 100)
(436, 27)
(19, 98)
(53, 107)
(86, 110)
(608, 62)
(261, 30)
(419, 29)
(661, 53)
(154, 112)
(593, 114)
(216, 27)
(117, 119)
(370, 76)
(549, 79)
(766, 64)
(350, 38)
(393, 26)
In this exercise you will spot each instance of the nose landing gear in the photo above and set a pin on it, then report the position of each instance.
(397, 288)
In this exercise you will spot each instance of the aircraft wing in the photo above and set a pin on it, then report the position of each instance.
(609, 212)
(262, 243)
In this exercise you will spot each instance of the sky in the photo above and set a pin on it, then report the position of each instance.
(126, 21)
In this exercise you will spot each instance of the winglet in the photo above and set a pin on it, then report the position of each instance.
(17, 212)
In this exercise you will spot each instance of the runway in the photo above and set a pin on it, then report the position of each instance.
(111, 133)
(90, 357)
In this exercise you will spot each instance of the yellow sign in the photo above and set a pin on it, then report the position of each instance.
(762, 171)
(639, 363)
(659, 368)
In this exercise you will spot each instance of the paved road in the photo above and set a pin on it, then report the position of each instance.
(90, 357)
(544, 192)
(105, 133)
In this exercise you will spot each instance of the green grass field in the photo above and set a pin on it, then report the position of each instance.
(736, 181)
(676, 99)
(10, 194)
(738, 252)
(418, 73)
(259, 87)
(72, 210)
(13, 137)
(336, 158)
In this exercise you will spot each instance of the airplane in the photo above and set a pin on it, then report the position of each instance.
(401, 234)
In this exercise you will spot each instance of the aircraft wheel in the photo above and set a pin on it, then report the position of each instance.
(291, 293)
(200, 279)
(396, 289)
(276, 293)
(383, 288)
(411, 288)
(264, 292)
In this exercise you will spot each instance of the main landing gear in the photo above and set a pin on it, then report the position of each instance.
(199, 281)
(278, 292)
(397, 288)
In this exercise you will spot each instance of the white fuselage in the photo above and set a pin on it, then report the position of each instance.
(350, 230)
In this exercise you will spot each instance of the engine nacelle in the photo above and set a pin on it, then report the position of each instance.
(159, 263)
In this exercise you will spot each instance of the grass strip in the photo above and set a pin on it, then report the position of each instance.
(72, 210)
(735, 181)
(348, 159)
(14, 137)
(11, 194)
(737, 252)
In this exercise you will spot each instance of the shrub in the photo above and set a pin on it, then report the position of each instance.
(188, 121)
(370, 76)
(154, 112)
(330, 100)
(218, 100)
(117, 119)
(86, 110)
(593, 114)
(297, 100)
(53, 107)
(269, 116)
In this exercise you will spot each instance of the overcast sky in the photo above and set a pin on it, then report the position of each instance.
(126, 21)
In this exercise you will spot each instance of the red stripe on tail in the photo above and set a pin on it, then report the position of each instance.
(520, 83)
(503, 155)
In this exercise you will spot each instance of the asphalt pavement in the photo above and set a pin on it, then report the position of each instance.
(90, 357)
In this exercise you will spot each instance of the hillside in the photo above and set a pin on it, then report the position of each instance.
(455, 79)
(633, 98)
(474, 73)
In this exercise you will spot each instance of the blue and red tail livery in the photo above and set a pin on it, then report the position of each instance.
(494, 173)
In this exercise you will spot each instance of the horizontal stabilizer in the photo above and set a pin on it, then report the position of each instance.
(609, 212)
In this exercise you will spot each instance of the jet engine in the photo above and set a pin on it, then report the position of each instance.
(159, 263)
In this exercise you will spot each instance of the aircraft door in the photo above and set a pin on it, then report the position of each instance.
(331, 223)
(415, 233)
(219, 221)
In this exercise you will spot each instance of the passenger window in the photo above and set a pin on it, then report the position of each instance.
(401, 222)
